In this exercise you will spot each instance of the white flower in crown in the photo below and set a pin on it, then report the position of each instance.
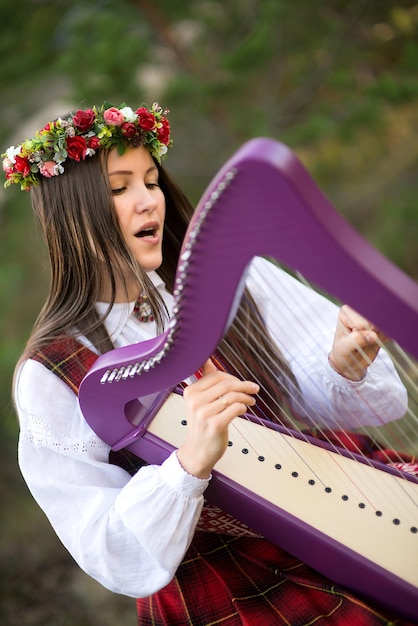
(11, 153)
(130, 116)
(162, 150)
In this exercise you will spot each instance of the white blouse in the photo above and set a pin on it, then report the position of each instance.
(131, 533)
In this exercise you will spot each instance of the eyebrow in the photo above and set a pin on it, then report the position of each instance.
(153, 168)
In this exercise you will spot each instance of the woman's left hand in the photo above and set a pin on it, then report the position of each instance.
(356, 344)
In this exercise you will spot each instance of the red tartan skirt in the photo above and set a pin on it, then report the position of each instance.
(234, 581)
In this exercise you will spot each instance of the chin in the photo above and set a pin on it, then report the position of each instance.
(150, 266)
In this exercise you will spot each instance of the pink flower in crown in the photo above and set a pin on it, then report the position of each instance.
(76, 148)
(83, 120)
(48, 169)
(113, 117)
(146, 119)
(7, 164)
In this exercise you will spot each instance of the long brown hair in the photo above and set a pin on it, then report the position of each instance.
(77, 216)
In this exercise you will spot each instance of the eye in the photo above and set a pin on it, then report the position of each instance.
(118, 191)
(152, 185)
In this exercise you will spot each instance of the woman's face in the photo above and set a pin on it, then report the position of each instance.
(139, 203)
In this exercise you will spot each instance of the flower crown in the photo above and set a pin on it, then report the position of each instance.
(80, 135)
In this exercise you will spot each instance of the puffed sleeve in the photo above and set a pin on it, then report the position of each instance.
(302, 323)
(129, 533)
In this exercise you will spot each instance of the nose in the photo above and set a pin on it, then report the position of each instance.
(146, 201)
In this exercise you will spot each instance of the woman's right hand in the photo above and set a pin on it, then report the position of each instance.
(212, 403)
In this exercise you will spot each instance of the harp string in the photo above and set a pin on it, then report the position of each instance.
(406, 367)
(263, 446)
(298, 409)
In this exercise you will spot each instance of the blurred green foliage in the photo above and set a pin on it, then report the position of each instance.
(335, 80)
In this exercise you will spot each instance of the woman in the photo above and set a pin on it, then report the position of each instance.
(114, 221)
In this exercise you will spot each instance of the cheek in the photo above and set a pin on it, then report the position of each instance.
(121, 214)
(161, 205)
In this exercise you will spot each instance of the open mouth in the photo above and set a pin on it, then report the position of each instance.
(146, 232)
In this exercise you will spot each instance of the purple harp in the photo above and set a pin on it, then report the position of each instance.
(264, 203)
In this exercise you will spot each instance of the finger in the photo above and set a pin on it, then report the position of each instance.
(367, 340)
(232, 388)
(223, 401)
(362, 338)
(208, 367)
(231, 398)
(354, 321)
(216, 383)
(226, 409)
(360, 350)
(204, 395)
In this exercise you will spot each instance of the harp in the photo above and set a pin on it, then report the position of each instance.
(354, 520)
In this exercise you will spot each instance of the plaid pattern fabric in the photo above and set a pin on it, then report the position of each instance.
(68, 359)
(229, 580)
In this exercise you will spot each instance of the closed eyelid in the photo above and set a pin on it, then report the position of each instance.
(117, 190)
(118, 185)
(152, 180)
